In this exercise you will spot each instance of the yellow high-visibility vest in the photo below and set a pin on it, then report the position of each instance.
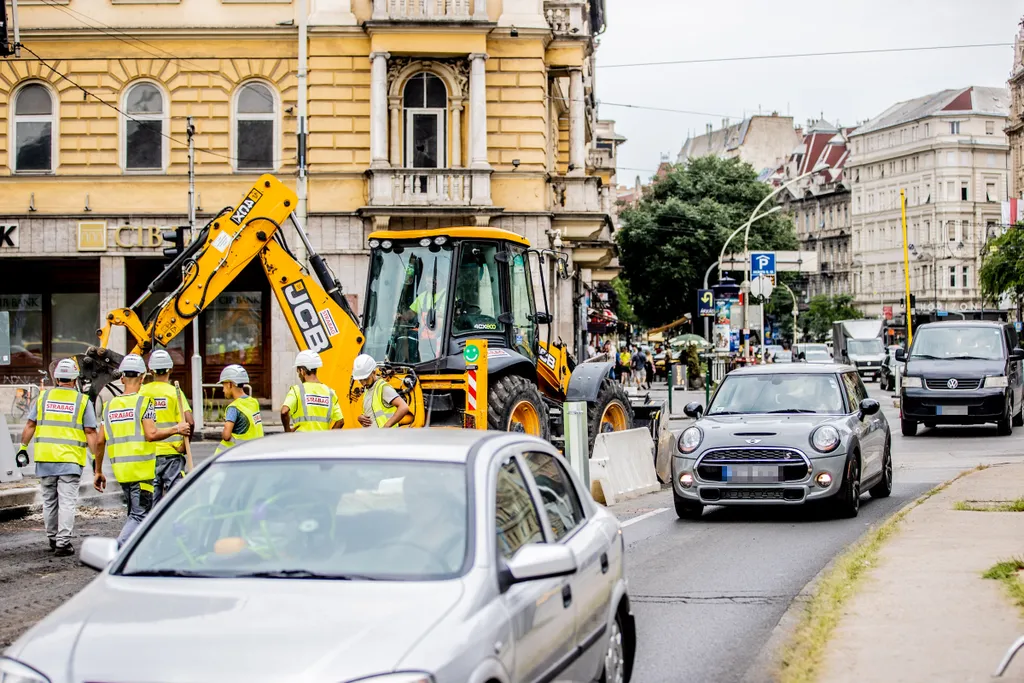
(131, 456)
(249, 407)
(382, 412)
(60, 430)
(168, 414)
(313, 410)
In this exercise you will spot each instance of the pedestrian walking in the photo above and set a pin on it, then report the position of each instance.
(383, 408)
(243, 421)
(639, 367)
(651, 376)
(129, 433)
(63, 423)
(625, 361)
(310, 405)
(170, 458)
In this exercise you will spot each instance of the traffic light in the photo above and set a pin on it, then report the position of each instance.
(177, 238)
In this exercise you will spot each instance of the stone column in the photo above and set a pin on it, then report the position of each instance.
(478, 112)
(457, 160)
(379, 110)
(112, 296)
(577, 124)
(395, 104)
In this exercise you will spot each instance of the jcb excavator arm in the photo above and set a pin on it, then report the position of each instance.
(317, 314)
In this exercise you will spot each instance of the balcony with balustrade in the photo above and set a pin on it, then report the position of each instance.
(430, 11)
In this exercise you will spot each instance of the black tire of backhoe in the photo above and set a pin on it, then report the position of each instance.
(506, 393)
(610, 391)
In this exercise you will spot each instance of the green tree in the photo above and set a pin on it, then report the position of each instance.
(825, 310)
(677, 230)
(1002, 268)
(623, 305)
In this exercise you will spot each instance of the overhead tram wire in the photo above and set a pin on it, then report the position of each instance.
(102, 101)
(98, 25)
(799, 55)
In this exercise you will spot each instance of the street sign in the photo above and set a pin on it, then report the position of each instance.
(705, 303)
(762, 263)
(762, 286)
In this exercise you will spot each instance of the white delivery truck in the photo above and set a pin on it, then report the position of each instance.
(859, 343)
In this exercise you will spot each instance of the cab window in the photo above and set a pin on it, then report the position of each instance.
(477, 290)
(522, 304)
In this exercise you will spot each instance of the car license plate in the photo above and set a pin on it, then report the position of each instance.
(752, 474)
(951, 410)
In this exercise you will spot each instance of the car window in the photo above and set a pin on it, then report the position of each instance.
(516, 518)
(853, 387)
(784, 392)
(559, 496)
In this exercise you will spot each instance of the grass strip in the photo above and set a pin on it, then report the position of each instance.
(803, 654)
(1009, 573)
(990, 505)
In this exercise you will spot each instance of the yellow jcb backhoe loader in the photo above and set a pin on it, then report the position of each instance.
(429, 292)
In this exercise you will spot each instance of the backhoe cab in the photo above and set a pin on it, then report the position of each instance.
(430, 291)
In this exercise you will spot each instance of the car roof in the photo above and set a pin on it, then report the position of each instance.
(965, 323)
(431, 444)
(795, 369)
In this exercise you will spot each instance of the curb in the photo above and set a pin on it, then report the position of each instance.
(766, 663)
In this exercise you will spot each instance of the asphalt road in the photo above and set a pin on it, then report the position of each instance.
(709, 593)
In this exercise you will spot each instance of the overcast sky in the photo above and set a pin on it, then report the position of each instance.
(844, 88)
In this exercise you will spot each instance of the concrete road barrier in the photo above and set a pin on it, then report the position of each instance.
(622, 466)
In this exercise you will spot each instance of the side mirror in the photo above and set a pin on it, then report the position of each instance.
(536, 561)
(506, 319)
(802, 356)
(869, 406)
(98, 552)
(1017, 354)
(694, 410)
(542, 318)
(901, 355)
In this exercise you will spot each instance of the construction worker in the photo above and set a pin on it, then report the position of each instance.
(310, 406)
(382, 406)
(63, 422)
(242, 421)
(170, 461)
(129, 430)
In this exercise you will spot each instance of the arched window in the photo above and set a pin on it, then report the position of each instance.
(255, 127)
(425, 101)
(144, 128)
(33, 129)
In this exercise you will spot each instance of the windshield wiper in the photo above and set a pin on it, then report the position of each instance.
(925, 356)
(170, 572)
(724, 412)
(300, 574)
(968, 358)
(792, 410)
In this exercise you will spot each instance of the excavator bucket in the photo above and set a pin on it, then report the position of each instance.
(98, 368)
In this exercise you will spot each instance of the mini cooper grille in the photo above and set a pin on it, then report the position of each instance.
(727, 455)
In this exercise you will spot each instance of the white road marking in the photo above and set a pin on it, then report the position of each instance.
(640, 518)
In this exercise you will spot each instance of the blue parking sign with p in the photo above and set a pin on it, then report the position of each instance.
(705, 303)
(762, 264)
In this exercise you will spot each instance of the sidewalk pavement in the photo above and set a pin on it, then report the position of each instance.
(924, 612)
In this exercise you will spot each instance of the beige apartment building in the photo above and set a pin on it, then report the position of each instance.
(1015, 124)
(764, 142)
(948, 151)
(420, 114)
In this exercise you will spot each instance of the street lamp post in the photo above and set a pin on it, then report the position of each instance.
(787, 288)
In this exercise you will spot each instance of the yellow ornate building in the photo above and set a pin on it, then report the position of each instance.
(420, 113)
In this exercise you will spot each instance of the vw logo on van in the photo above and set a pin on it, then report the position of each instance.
(952, 384)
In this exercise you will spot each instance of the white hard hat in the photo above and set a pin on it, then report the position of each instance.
(160, 360)
(132, 363)
(234, 373)
(67, 368)
(363, 367)
(308, 359)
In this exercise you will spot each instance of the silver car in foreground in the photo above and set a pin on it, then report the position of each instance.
(398, 556)
(784, 434)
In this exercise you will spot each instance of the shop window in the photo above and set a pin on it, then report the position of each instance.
(75, 318)
(255, 124)
(234, 329)
(425, 100)
(143, 130)
(25, 313)
(33, 129)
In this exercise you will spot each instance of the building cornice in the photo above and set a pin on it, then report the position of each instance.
(192, 32)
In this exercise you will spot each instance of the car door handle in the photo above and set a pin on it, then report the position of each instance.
(604, 563)
(566, 595)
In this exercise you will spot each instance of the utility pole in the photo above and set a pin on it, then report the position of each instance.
(197, 359)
